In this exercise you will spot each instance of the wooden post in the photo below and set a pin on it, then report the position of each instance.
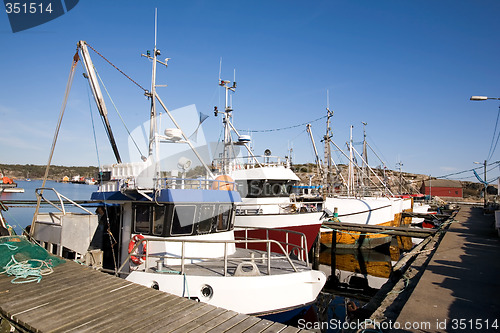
(333, 262)
(317, 246)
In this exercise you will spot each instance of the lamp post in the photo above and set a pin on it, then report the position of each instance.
(485, 183)
(483, 98)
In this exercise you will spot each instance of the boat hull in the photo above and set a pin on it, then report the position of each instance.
(306, 223)
(355, 240)
(262, 295)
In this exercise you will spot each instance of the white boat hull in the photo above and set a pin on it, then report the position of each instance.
(258, 295)
(365, 210)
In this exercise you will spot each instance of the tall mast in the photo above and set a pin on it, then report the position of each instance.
(365, 156)
(152, 116)
(350, 180)
(328, 152)
(227, 120)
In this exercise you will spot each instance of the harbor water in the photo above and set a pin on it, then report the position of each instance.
(20, 217)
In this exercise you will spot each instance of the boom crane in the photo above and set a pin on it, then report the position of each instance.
(318, 162)
(96, 92)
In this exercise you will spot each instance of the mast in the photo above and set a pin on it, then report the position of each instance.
(328, 153)
(228, 127)
(365, 157)
(350, 179)
(226, 120)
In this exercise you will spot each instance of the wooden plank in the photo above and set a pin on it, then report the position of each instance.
(62, 297)
(275, 328)
(104, 319)
(242, 326)
(223, 326)
(52, 293)
(201, 320)
(225, 316)
(185, 317)
(260, 326)
(166, 317)
(63, 317)
(28, 288)
(291, 329)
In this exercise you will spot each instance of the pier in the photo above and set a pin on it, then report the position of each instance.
(76, 298)
(450, 284)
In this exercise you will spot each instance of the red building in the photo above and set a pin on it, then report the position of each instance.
(442, 188)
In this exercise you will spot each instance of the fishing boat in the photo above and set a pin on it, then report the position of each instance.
(266, 184)
(171, 233)
(359, 204)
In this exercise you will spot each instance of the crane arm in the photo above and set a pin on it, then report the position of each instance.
(96, 92)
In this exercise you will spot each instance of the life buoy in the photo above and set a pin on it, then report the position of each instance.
(137, 259)
(223, 183)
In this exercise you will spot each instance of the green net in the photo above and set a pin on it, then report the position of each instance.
(26, 261)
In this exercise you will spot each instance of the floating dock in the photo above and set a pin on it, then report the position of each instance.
(75, 298)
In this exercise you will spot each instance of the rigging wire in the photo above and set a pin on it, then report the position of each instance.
(109, 62)
(119, 115)
(493, 148)
(282, 128)
(112, 239)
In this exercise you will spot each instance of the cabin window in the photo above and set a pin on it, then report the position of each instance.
(142, 214)
(207, 218)
(183, 219)
(158, 219)
(224, 217)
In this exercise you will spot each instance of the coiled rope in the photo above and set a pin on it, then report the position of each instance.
(30, 270)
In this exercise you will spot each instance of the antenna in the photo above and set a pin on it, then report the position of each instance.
(234, 75)
(327, 99)
(220, 67)
(156, 25)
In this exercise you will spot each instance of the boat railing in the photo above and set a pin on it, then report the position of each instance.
(196, 184)
(269, 257)
(294, 207)
(250, 162)
(60, 206)
(298, 249)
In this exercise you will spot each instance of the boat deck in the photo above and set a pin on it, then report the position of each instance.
(75, 298)
(279, 265)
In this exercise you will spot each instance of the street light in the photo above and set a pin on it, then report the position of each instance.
(482, 98)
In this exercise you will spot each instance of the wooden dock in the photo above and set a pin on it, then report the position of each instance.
(450, 282)
(75, 298)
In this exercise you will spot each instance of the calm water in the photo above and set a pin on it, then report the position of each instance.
(20, 217)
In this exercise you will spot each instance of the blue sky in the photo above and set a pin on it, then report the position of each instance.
(407, 68)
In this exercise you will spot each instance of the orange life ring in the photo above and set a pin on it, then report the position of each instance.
(223, 183)
(137, 259)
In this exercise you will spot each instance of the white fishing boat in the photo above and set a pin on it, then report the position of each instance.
(265, 183)
(175, 234)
